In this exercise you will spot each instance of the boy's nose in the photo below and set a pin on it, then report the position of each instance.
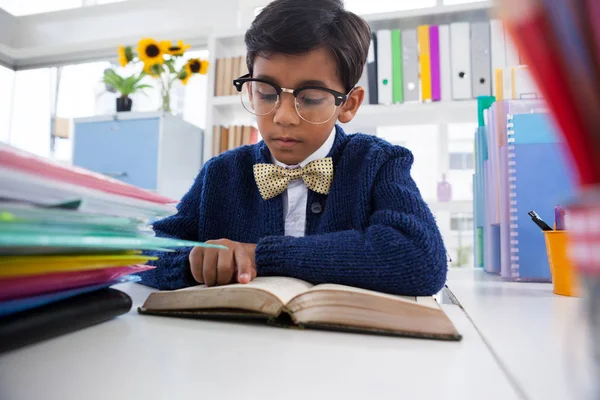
(286, 111)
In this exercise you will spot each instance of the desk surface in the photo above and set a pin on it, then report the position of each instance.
(147, 357)
(535, 333)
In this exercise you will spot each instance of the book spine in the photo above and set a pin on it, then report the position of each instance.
(512, 201)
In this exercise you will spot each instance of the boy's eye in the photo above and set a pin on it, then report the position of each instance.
(265, 92)
(267, 97)
(313, 98)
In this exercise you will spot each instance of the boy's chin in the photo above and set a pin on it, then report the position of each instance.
(288, 157)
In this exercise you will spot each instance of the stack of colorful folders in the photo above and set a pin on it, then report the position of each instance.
(66, 236)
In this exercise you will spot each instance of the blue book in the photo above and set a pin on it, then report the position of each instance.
(539, 178)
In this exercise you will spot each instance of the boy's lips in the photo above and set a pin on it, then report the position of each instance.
(285, 142)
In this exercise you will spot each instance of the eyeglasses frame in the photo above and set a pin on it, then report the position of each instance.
(340, 98)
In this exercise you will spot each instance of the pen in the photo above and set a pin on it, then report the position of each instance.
(538, 221)
(559, 218)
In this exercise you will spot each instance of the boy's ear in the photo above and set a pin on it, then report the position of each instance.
(351, 106)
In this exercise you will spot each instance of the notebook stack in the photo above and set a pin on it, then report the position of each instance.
(520, 166)
(66, 236)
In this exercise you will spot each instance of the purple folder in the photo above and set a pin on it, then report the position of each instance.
(434, 51)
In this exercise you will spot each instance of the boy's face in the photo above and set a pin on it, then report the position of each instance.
(290, 138)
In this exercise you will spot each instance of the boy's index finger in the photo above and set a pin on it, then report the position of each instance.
(243, 265)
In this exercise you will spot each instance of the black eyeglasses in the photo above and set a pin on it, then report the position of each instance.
(314, 104)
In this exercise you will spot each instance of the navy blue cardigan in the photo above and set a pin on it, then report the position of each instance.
(373, 230)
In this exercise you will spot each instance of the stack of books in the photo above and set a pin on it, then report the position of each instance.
(66, 236)
(228, 138)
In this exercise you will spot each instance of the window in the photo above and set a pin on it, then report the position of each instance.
(81, 90)
(7, 83)
(461, 222)
(422, 141)
(30, 122)
(460, 242)
(192, 103)
(460, 161)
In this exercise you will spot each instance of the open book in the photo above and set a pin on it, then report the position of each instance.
(294, 302)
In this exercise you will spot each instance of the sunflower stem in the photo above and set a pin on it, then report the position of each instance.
(165, 92)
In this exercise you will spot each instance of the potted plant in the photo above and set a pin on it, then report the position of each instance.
(125, 86)
(160, 61)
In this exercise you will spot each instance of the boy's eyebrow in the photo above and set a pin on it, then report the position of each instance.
(312, 82)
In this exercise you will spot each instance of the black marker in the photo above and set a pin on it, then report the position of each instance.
(538, 221)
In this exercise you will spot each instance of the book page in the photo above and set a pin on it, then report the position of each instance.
(283, 288)
(330, 286)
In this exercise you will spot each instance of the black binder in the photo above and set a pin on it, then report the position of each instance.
(372, 71)
(62, 317)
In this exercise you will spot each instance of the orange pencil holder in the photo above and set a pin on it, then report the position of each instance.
(564, 275)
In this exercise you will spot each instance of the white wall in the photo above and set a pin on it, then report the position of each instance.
(7, 83)
(8, 24)
(7, 27)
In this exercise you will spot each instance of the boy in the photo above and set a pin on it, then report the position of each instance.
(308, 201)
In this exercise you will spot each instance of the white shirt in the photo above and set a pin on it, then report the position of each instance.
(296, 195)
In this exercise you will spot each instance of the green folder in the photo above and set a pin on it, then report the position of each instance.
(483, 103)
(397, 88)
(42, 243)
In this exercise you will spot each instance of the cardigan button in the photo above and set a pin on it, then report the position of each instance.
(316, 208)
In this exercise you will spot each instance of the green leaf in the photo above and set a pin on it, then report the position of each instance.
(125, 86)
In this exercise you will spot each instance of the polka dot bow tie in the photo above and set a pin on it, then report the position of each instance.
(273, 180)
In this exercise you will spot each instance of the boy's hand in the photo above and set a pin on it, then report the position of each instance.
(220, 267)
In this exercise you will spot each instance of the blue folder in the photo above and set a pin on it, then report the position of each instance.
(540, 178)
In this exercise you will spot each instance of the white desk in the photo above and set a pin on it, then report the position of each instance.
(145, 357)
(536, 334)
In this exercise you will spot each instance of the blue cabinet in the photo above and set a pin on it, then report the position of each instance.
(126, 150)
(153, 151)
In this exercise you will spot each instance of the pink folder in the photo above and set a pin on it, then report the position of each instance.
(434, 49)
(21, 161)
(20, 287)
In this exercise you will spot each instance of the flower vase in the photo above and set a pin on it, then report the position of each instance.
(166, 103)
(124, 103)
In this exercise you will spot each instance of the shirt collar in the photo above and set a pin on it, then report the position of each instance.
(321, 152)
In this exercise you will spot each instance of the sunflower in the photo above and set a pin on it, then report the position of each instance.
(125, 55)
(193, 66)
(150, 52)
(204, 67)
(174, 50)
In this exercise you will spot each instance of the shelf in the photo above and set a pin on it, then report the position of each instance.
(368, 116)
(460, 111)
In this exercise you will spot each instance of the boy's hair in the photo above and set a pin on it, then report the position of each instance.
(296, 27)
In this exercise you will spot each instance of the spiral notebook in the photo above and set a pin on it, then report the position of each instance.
(539, 178)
